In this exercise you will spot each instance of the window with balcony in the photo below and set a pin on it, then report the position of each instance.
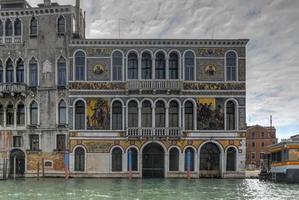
(80, 60)
(160, 68)
(173, 114)
(1, 72)
(134, 159)
(20, 71)
(33, 114)
(173, 66)
(117, 66)
(189, 159)
(33, 73)
(17, 141)
(117, 117)
(231, 66)
(160, 114)
(132, 66)
(146, 65)
(34, 142)
(18, 27)
(9, 71)
(146, 112)
(174, 156)
(61, 72)
(10, 115)
(79, 115)
(189, 116)
(1, 115)
(62, 113)
(230, 116)
(8, 28)
(116, 160)
(60, 142)
(33, 26)
(21, 115)
(189, 66)
(61, 25)
(79, 159)
(132, 114)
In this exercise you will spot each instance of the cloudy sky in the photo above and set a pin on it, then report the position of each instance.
(272, 54)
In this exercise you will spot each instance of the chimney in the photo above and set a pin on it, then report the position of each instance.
(47, 3)
(77, 17)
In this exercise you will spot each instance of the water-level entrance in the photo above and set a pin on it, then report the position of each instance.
(17, 163)
(153, 161)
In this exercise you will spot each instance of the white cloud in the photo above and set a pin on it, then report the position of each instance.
(271, 25)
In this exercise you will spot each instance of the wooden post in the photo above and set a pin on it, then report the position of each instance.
(38, 169)
(188, 164)
(130, 163)
(43, 167)
(14, 166)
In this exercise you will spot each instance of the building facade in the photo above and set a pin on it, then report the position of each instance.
(258, 140)
(113, 107)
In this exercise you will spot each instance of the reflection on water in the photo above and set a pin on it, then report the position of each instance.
(181, 189)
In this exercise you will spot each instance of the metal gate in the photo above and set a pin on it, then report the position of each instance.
(153, 161)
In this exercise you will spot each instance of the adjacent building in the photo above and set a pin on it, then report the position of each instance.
(258, 140)
(176, 106)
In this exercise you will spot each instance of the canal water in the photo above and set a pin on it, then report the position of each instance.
(160, 189)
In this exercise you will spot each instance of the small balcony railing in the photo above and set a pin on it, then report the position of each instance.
(8, 40)
(12, 88)
(17, 39)
(154, 85)
(154, 132)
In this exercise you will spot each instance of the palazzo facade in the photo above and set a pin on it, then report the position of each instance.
(176, 106)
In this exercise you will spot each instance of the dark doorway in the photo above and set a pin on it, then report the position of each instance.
(210, 157)
(231, 159)
(17, 158)
(153, 161)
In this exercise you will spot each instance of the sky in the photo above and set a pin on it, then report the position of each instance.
(272, 53)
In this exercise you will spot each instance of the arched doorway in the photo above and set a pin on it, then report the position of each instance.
(209, 160)
(17, 159)
(79, 159)
(153, 161)
(231, 159)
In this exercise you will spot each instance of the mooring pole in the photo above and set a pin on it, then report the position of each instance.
(43, 167)
(188, 163)
(14, 166)
(130, 164)
(66, 165)
(37, 169)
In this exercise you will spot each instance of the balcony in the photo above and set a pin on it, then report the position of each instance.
(154, 132)
(12, 88)
(154, 85)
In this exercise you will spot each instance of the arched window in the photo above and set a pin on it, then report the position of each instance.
(33, 73)
(146, 111)
(33, 26)
(62, 113)
(173, 114)
(189, 159)
(173, 66)
(146, 65)
(231, 159)
(61, 25)
(18, 27)
(1, 115)
(117, 115)
(117, 65)
(1, 28)
(79, 159)
(160, 68)
(61, 72)
(189, 115)
(21, 114)
(160, 114)
(8, 27)
(133, 114)
(117, 160)
(80, 66)
(230, 116)
(189, 66)
(9, 71)
(174, 157)
(33, 113)
(1, 72)
(231, 66)
(10, 115)
(132, 66)
(79, 115)
(20, 71)
(134, 159)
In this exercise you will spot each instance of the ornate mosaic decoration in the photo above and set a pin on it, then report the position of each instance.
(214, 86)
(98, 114)
(210, 69)
(98, 86)
(99, 68)
(204, 52)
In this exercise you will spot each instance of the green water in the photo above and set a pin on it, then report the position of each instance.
(162, 189)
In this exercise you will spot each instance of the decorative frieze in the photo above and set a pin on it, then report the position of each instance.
(97, 86)
(214, 86)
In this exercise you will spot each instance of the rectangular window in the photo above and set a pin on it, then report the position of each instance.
(253, 144)
(61, 74)
(253, 156)
(17, 141)
(60, 142)
(34, 142)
